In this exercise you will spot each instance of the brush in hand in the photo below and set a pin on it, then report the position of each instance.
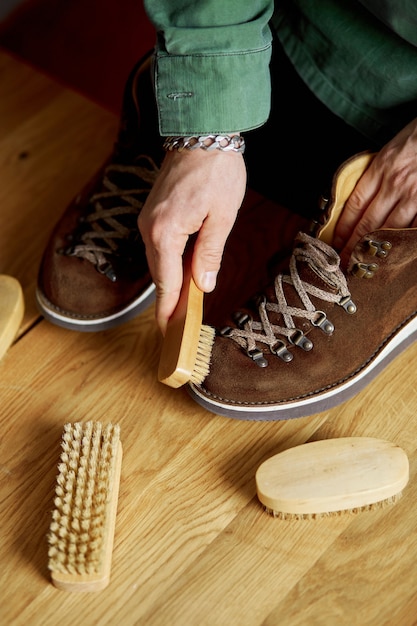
(83, 521)
(332, 476)
(186, 350)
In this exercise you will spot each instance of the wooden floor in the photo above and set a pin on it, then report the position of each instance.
(193, 546)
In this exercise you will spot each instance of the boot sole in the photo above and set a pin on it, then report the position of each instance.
(95, 324)
(317, 402)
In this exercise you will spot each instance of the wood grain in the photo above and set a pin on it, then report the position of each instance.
(192, 543)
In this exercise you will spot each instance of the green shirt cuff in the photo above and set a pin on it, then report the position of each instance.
(212, 93)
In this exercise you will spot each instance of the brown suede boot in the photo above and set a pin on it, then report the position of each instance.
(94, 274)
(318, 334)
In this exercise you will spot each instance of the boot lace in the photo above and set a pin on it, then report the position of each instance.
(325, 263)
(111, 220)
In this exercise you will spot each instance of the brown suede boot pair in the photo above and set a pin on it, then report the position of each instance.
(314, 338)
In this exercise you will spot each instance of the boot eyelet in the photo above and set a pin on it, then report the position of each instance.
(379, 248)
(364, 270)
(107, 270)
(241, 319)
(323, 323)
(257, 357)
(348, 304)
(280, 350)
(299, 339)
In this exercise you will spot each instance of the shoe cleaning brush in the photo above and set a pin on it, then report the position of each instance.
(332, 476)
(344, 182)
(11, 310)
(187, 345)
(83, 522)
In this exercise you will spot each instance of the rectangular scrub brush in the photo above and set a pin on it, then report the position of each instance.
(83, 522)
(187, 346)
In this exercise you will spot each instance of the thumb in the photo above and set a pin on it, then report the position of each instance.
(208, 253)
(205, 266)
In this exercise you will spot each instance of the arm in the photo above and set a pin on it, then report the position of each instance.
(211, 76)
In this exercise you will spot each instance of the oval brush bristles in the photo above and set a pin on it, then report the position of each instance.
(381, 504)
(82, 527)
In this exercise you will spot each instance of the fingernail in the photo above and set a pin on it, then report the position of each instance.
(209, 281)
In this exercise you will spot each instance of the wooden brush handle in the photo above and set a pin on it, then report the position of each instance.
(180, 346)
(344, 183)
(11, 310)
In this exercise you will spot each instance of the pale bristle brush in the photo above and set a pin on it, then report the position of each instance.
(186, 350)
(81, 533)
(332, 477)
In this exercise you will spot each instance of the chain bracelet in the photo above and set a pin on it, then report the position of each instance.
(235, 143)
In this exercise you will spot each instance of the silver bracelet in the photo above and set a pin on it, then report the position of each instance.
(235, 143)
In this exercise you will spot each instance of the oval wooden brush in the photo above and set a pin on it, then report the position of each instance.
(332, 476)
(344, 182)
(11, 310)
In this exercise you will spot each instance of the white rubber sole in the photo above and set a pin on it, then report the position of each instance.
(95, 324)
(317, 402)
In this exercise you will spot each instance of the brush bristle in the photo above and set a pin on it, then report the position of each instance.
(381, 504)
(202, 362)
(84, 484)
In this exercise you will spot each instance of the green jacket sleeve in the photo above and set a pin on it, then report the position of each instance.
(211, 67)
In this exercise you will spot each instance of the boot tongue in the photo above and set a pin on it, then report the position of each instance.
(344, 182)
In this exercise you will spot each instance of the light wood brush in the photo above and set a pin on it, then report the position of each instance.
(187, 345)
(331, 477)
(11, 310)
(83, 522)
(344, 183)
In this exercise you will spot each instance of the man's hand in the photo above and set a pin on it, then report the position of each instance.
(196, 192)
(386, 194)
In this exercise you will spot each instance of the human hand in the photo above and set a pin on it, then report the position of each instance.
(195, 192)
(385, 196)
